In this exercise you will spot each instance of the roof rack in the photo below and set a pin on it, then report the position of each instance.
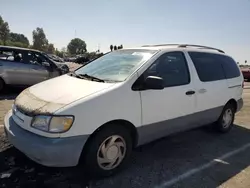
(200, 46)
(155, 45)
(185, 46)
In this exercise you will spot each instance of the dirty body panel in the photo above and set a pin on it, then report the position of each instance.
(56, 152)
(32, 105)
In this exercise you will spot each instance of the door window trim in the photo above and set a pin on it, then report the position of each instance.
(138, 84)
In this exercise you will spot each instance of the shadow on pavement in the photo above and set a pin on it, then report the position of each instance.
(26, 173)
(10, 93)
(168, 158)
(151, 165)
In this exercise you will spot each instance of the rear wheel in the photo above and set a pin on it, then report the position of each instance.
(108, 151)
(226, 119)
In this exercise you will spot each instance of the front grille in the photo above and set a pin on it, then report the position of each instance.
(18, 116)
(23, 111)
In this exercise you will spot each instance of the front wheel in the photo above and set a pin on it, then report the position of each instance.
(226, 119)
(108, 151)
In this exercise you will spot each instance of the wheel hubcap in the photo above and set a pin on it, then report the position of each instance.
(227, 118)
(111, 152)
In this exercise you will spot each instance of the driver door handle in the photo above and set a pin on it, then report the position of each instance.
(190, 92)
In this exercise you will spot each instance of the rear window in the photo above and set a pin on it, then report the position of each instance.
(212, 67)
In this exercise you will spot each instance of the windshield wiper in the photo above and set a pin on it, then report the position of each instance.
(93, 78)
(76, 75)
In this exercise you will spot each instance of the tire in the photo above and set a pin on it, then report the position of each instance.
(226, 119)
(97, 157)
(2, 84)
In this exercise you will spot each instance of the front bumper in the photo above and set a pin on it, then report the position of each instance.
(54, 152)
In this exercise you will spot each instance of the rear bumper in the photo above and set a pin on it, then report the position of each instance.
(54, 152)
(239, 104)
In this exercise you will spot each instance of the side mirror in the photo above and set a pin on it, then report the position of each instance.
(46, 64)
(154, 82)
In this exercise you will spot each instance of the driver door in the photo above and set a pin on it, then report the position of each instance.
(168, 110)
(38, 71)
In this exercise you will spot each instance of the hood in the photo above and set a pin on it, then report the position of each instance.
(51, 95)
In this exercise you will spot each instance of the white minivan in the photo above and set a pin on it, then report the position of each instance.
(97, 114)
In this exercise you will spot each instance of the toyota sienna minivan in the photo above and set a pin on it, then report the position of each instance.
(97, 114)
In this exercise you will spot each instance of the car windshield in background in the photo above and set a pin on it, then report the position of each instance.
(116, 66)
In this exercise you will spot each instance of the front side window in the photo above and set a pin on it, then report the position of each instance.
(11, 55)
(34, 58)
(172, 68)
(117, 65)
(208, 66)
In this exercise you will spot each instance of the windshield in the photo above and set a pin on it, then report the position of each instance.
(117, 65)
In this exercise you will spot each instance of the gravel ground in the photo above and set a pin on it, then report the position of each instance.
(172, 159)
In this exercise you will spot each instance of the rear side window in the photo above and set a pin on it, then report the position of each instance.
(230, 67)
(212, 67)
(208, 67)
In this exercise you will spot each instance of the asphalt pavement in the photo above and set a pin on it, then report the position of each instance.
(199, 158)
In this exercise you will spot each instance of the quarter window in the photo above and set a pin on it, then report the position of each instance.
(230, 67)
(172, 68)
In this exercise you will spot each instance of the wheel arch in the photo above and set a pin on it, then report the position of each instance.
(233, 102)
(126, 124)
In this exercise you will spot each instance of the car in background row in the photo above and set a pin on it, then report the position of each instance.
(25, 67)
(246, 74)
(55, 58)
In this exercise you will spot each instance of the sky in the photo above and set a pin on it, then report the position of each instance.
(223, 24)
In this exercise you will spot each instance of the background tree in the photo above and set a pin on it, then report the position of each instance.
(115, 47)
(59, 53)
(77, 46)
(4, 31)
(40, 42)
(17, 39)
(51, 48)
(64, 50)
(111, 47)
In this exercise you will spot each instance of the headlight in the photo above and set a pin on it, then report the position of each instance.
(52, 124)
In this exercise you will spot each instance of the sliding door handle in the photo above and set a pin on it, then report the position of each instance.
(190, 92)
(202, 91)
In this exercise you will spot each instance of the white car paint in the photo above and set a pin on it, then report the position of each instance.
(94, 104)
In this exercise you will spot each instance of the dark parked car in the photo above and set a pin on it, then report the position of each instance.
(82, 60)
